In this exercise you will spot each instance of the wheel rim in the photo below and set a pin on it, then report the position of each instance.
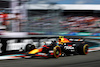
(85, 49)
(57, 52)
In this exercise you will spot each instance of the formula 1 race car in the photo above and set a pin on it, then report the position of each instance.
(51, 50)
(73, 46)
(64, 47)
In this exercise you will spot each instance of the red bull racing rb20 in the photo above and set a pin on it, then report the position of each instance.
(63, 47)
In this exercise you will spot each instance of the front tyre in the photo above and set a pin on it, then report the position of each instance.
(57, 51)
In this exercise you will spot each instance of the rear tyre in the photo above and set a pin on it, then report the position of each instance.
(83, 49)
(57, 51)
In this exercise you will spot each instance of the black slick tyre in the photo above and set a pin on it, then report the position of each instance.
(57, 51)
(83, 49)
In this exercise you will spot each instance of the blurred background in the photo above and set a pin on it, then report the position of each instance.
(50, 16)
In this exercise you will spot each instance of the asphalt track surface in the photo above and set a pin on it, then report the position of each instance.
(90, 60)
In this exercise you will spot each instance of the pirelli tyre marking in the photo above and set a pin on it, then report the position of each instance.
(85, 49)
(57, 51)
